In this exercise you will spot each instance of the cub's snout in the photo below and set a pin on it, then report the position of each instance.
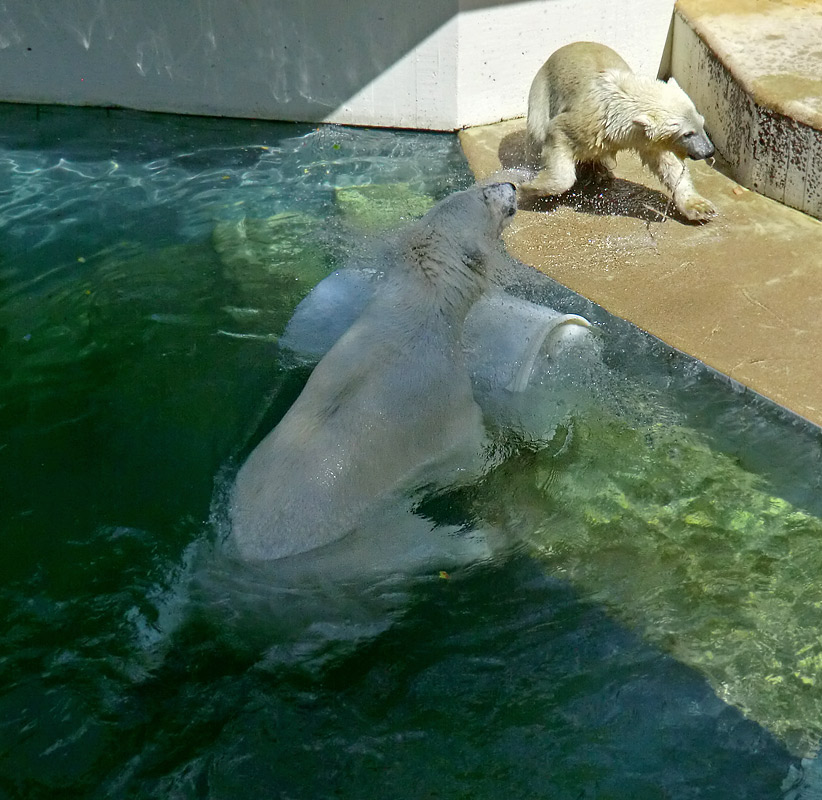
(697, 145)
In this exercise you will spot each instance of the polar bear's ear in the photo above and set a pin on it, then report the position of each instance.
(644, 121)
(672, 82)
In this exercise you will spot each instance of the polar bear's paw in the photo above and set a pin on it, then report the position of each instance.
(696, 208)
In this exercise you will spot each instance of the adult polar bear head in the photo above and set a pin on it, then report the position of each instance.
(450, 251)
(391, 401)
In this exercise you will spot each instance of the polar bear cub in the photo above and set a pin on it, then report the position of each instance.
(390, 401)
(585, 104)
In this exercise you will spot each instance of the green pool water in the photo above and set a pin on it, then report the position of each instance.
(654, 633)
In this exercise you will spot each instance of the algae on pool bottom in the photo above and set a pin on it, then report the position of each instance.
(380, 206)
(683, 544)
(287, 244)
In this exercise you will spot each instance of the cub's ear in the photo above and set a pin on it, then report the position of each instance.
(672, 82)
(644, 121)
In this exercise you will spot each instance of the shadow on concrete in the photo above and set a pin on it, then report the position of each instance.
(595, 192)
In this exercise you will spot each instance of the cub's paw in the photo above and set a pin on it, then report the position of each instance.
(553, 180)
(545, 188)
(696, 208)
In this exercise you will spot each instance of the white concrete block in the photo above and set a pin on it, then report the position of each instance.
(439, 64)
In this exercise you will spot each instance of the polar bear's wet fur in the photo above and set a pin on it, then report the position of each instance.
(390, 403)
(585, 105)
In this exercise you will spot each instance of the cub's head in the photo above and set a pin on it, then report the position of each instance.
(672, 120)
(691, 139)
(683, 127)
(638, 107)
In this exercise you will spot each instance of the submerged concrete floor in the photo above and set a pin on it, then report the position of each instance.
(742, 293)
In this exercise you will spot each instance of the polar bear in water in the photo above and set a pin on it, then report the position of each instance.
(391, 403)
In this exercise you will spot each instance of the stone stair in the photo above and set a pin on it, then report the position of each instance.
(754, 70)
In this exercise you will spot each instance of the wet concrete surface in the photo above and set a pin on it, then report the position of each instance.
(742, 293)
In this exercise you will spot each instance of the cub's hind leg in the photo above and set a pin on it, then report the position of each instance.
(557, 169)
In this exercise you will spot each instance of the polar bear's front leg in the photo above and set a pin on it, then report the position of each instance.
(558, 171)
(673, 172)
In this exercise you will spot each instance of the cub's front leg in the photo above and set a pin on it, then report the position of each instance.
(673, 172)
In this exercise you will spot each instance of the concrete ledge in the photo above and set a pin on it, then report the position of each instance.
(741, 293)
(755, 71)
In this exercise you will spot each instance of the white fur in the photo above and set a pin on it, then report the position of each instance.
(390, 405)
(585, 105)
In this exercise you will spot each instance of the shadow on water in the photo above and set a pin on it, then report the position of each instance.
(497, 682)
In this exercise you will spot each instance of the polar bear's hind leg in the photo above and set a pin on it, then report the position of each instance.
(558, 171)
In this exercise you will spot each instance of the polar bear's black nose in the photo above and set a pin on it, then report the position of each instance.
(711, 150)
(697, 145)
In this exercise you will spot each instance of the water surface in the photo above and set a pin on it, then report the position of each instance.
(655, 636)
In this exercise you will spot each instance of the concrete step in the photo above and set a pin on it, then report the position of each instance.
(741, 293)
(754, 70)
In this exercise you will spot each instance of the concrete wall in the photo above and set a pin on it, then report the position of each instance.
(439, 64)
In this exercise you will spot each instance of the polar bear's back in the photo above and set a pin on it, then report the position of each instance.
(314, 476)
(564, 78)
(586, 58)
(390, 406)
